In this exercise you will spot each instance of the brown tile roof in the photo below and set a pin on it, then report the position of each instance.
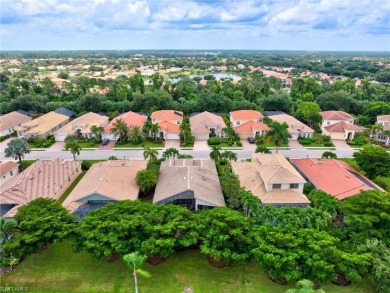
(294, 125)
(200, 176)
(201, 122)
(84, 123)
(115, 180)
(246, 115)
(335, 115)
(334, 177)
(43, 124)
(269, 169)
(342, 126)
(250, 126)
(7, 166)
(12, 119)
(130, 118)
(41, 179)
(166, 115)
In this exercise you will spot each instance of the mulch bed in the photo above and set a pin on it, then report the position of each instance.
(156, 260)
(43, 248)
(283, 282)
(216, 263)
(342, 280)
(113, 257)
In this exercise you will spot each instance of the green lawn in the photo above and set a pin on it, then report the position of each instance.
(71, 187)
(89, 144)
(58, 269)
(145, 144)
(318, 143)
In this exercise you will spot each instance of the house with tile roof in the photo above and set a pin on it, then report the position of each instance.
(108, 181)
(248, 123)
(168, 122)
(295, 127)
(81, 126)
(272, 179)
(130, 118)
(42, 126)
(334, 177)
(383, 136)
(47, 179)
(190, 183)
(338, 125)
(10, 121)
(205, 124)
(8, 170)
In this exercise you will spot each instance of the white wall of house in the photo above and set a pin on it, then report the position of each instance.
(12, 173)
(331, 122)
(269, 187)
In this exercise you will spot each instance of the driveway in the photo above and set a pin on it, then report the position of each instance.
(172, 143)
(201, 145)
(341, 144)
(3, 144)
(108, 146)
(295, 145)
(248, 146)
(57, 146)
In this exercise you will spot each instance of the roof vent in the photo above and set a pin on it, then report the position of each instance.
(184, 178)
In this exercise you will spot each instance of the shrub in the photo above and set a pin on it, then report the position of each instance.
(112, 158)
(305, 141)
(326, 138)
(85, 165)
(214, 141)
(327, 143)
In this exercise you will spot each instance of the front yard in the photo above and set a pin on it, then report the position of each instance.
(147, 143)
(317, 140)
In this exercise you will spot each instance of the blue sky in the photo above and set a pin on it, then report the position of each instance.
(359, 25)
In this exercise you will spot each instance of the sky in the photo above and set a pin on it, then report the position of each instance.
(318, 25)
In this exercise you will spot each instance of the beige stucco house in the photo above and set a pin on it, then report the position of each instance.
(206, 123)
(169, 123)
(338, 125)
(248, 123)
(10, 121)
(8, 170)
(381, 136)
(295, 127)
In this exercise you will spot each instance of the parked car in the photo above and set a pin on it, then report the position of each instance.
(251, 140)
(105, 141)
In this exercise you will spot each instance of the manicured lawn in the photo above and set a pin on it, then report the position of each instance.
(71, 187)
(58, 269)
(318, 143)
(145, 144)
(89, 144)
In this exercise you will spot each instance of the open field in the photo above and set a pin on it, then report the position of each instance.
(58, 269)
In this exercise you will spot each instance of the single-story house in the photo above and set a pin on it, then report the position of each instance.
(334, 177)
(66, 112)
(206, 123)
(42, 126)
(272, 179)
(8, 170)
(248, 123)
(47, 179)
(81, 126)
(108, 181)
(10, 121)
(130, 118)
(338, 125)
(190, 183)
(169, 123)
(295, 127)
(381, 136)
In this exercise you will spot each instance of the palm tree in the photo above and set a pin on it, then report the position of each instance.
(305, 286)
(185, 128)
(262, 149)
(8, 229)
(17, 148)
(97, 132)
(72, 144)
(215, 153)
(146, 180)
(120, 129)
(376, 128)
(147, 126)
(278, 134)
(154, 129)
(135, 134)
(134, 262)
(170, 153)
(229, 155)
(150, 154)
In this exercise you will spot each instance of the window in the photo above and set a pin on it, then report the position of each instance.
(260, 120)
(276, 186)
(351, 121)
(178, 122)
(238, 122)
(294, 185)
(327, 122)
(11, 173)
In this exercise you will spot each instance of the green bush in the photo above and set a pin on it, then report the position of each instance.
(305, 141)
(85, 165)
(4, 261)
(327, 143)
(326, 138)
(214, 141)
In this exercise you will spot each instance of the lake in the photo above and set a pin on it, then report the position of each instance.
(218, 76)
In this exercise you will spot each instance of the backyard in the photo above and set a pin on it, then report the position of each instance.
(59, 269)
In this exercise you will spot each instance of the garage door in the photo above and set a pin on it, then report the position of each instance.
(172, 136)
(60, 137)
(202, 136)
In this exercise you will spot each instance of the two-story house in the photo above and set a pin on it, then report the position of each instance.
(338, 125)
(131, 119)
(205, 124)
(383, 136)
(168, 122)
(272, 179)
(248, 123)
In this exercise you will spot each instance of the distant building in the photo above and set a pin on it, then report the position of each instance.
(382, 136)
(334, 177)
(338, 125)
(272, 179)
(8, 170)
(47, 179)
(190, 183)
(10, 121)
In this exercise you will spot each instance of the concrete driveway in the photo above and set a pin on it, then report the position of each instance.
(341, 144)
(172, 143)
(108, 146)
(3, 144)
(248, 146)
(57, 146)
(201, 145)
(295, 145)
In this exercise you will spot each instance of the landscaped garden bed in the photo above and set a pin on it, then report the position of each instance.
(317, 140)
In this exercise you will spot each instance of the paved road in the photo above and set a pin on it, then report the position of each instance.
(138, 155)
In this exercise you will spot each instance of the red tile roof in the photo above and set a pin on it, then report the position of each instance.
(165, 115)
(250, 126)
(246, 115)
(342, 127)
(334, 177)
(7, 166)
(335, 115)
(130, 118)
(169, 127)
